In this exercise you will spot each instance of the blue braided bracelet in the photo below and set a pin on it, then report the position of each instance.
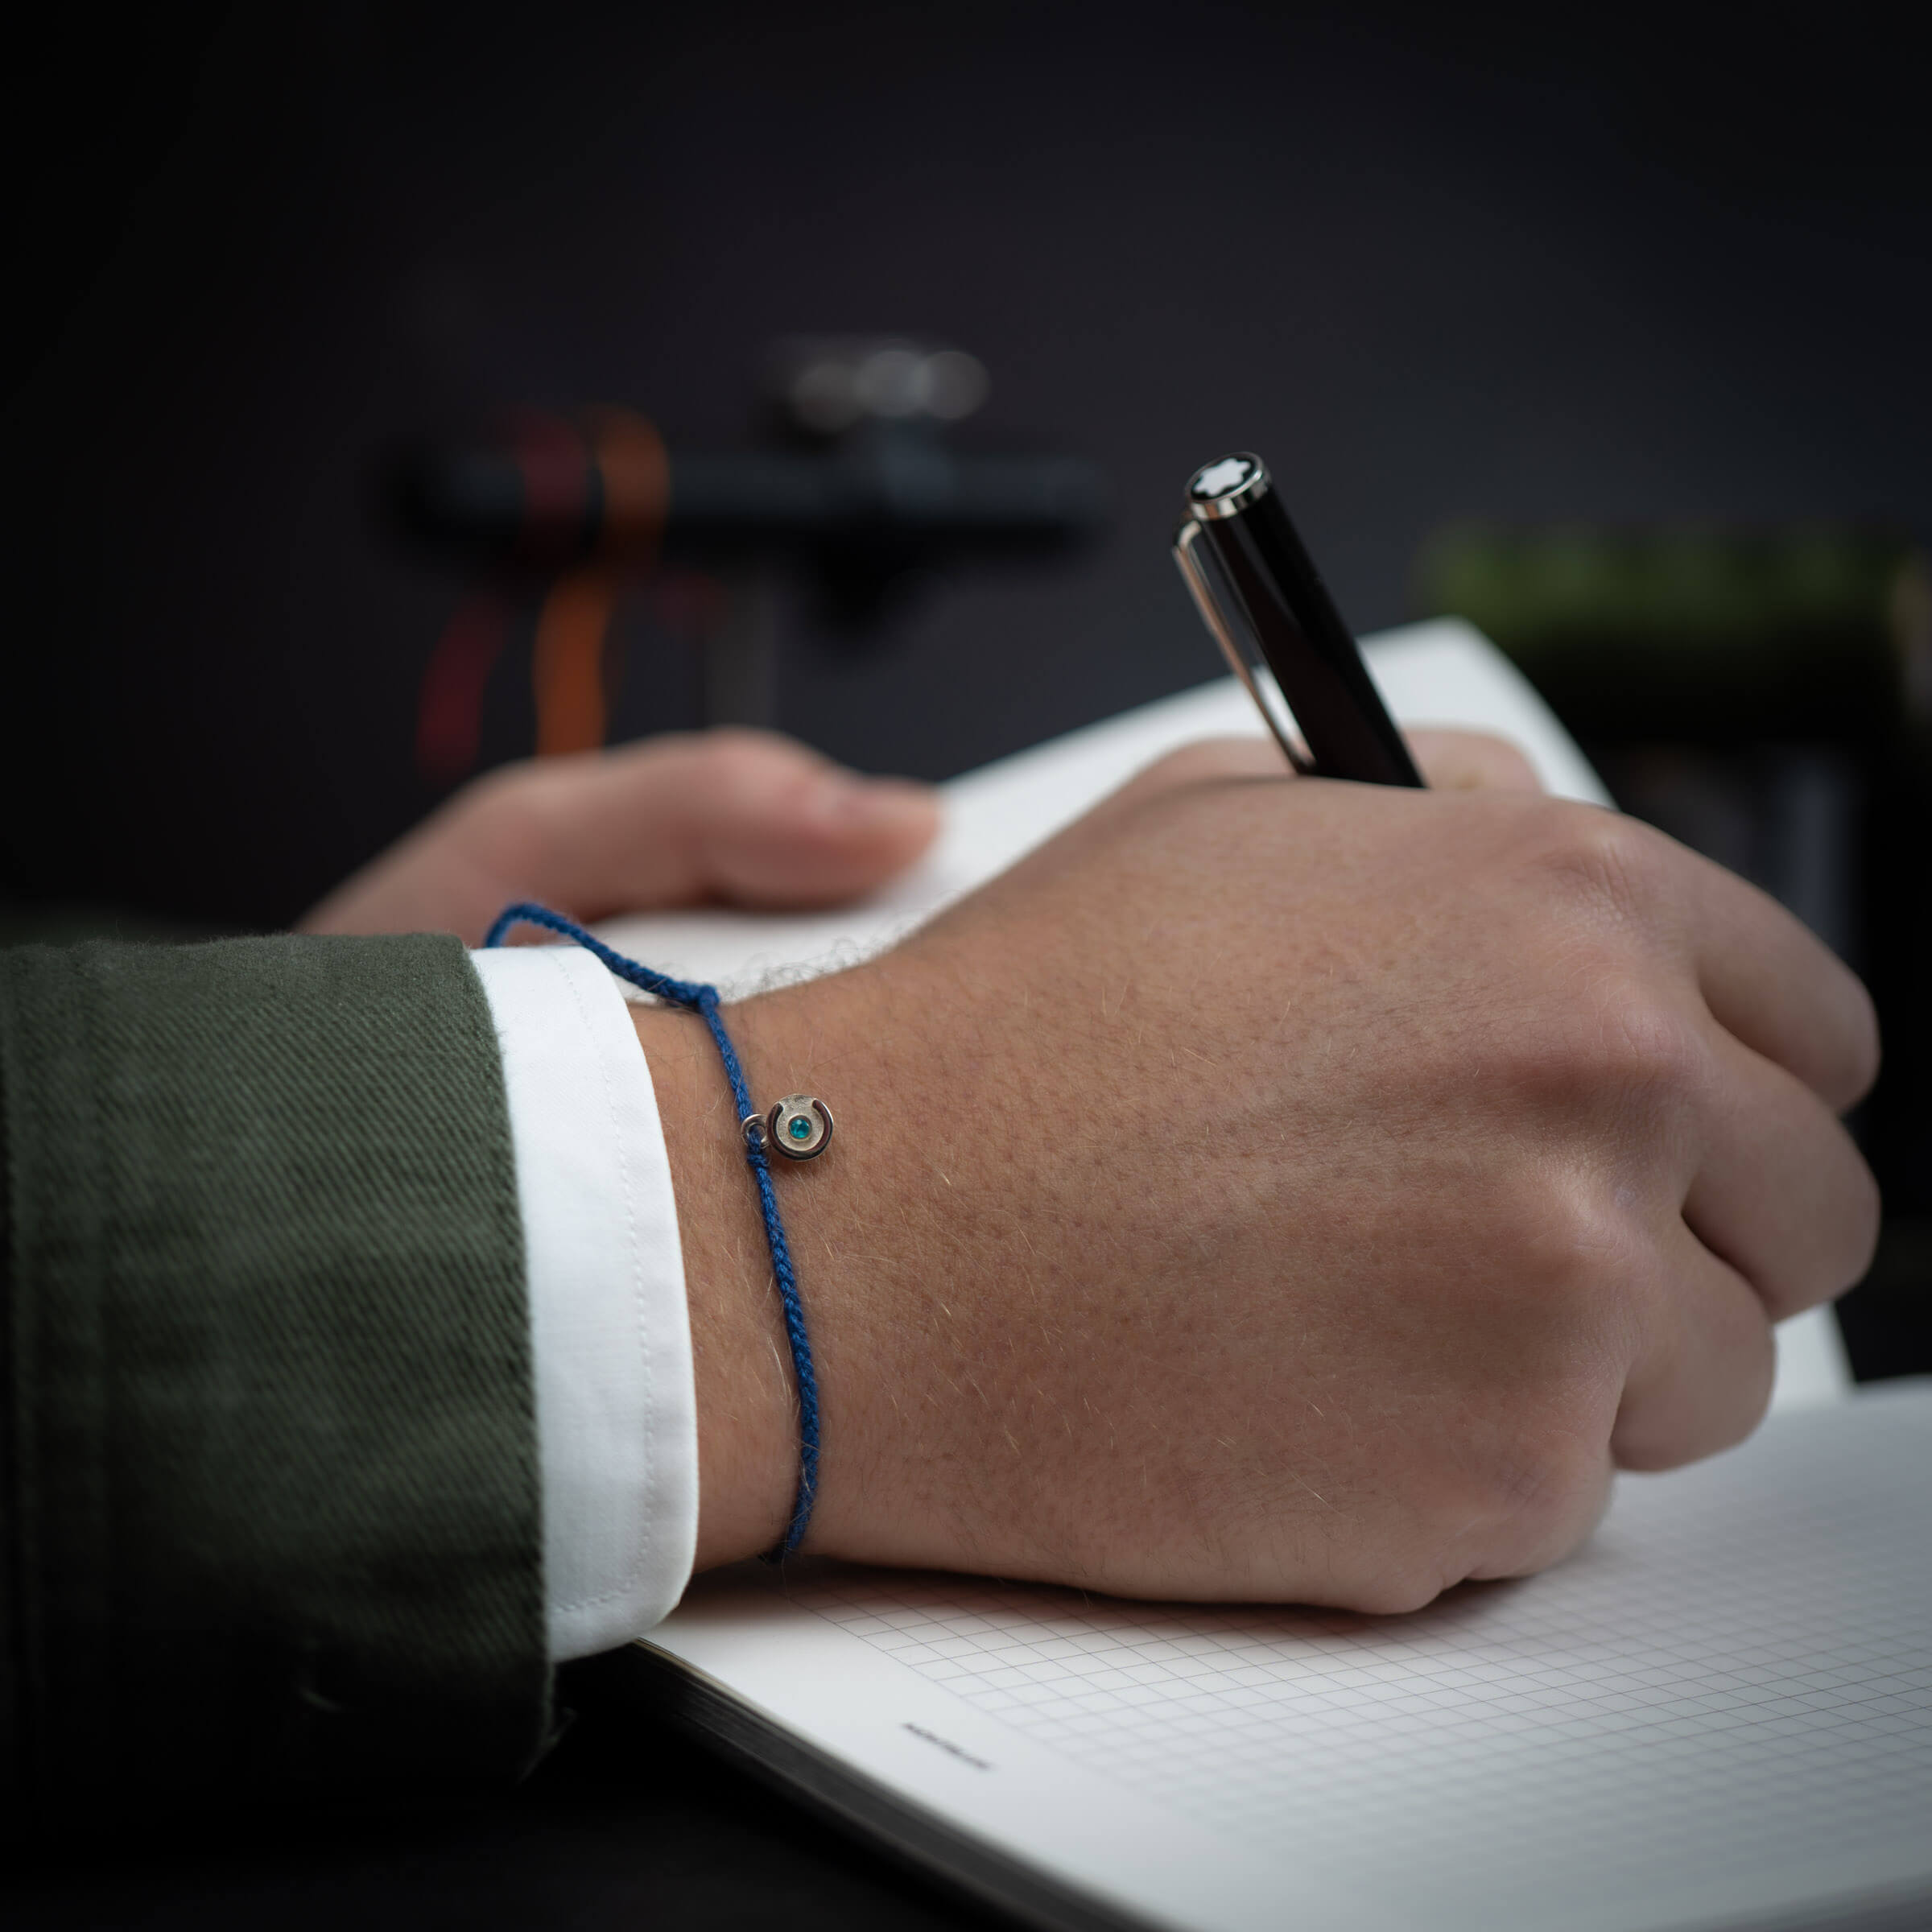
(789, 1116)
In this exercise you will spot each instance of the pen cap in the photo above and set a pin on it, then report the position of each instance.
(1295, 625)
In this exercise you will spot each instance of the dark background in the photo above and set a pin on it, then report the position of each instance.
(1592, 264)
(1501, 265)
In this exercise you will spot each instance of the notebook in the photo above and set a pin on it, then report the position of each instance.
(1719, 1715)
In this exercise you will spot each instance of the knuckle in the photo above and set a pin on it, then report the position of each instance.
(1556, 1262)
(1603, 862)
(1542, 1235)
(1640, 1044)
(1625, 1048)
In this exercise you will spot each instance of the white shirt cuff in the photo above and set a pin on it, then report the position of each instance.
(617, 1416)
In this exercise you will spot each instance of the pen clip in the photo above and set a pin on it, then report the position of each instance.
(1215, 618)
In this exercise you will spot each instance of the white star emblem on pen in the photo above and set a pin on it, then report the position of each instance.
(1218, 478)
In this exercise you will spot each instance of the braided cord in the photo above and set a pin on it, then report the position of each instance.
(702, 1000)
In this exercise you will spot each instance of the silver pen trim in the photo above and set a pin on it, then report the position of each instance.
(1209, 606)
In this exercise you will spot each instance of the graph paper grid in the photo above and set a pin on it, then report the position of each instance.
(1737, 1674)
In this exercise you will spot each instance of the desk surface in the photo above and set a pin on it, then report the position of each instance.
(627, 1825)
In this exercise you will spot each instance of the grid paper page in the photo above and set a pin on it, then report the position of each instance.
(1728, 1694)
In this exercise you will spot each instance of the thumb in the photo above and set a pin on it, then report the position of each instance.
(747, 817)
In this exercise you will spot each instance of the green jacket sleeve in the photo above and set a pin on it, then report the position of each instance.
(269, 1510)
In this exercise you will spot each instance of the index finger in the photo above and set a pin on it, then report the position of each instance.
(1471, 760)
(1450, 761)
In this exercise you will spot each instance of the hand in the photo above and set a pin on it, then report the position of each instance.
(742, 816)
(1277, 1189)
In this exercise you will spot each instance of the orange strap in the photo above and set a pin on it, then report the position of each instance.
(567, 668)
(636, 471)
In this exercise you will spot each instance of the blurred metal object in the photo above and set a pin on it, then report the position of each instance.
(824, 386)
(859, 456)
(882, 489)
(854, 490)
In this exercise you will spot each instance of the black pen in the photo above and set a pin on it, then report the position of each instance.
(1238, 531)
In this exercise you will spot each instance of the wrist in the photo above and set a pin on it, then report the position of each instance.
(872, 1244)
(747, 1407)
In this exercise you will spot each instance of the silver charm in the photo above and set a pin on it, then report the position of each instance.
(800, 1127)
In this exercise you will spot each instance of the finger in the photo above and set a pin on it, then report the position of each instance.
(1702, 1369)
(1471, 760)
(1777, 989)
(1783, 1195)
(1205, 762)
(1450, 761)
(742, 816)
(1204, 765)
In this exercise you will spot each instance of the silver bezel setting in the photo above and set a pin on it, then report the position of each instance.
(1210, 509)
(797, 1107)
